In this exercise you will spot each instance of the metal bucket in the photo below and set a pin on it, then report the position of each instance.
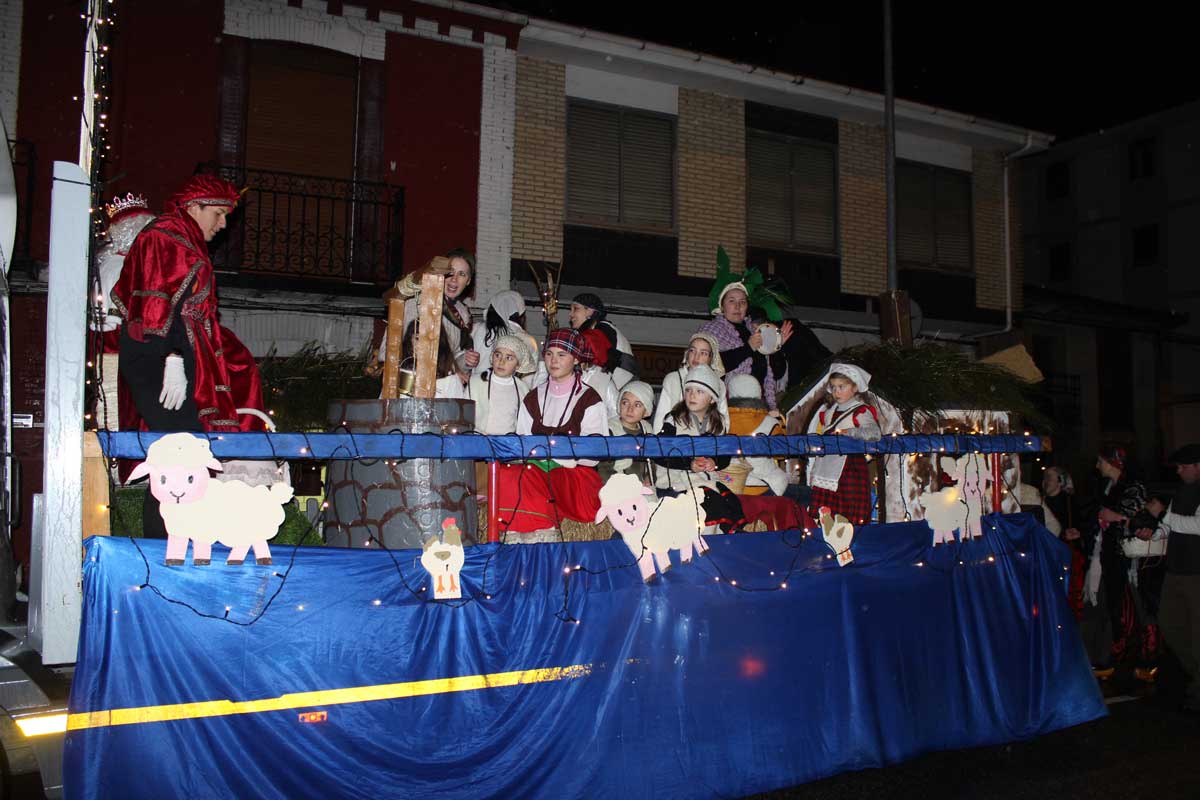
(398, 502)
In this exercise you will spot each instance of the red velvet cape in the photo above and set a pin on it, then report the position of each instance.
(168, 273)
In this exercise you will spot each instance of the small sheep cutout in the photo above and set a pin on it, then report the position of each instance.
(958, 507)
(651, 529)
(194, 507)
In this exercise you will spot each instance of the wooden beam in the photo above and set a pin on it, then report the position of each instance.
(96, 517)
(895, 321)
(394, 351)
(429, 329)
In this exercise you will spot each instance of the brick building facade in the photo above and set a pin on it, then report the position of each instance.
(461, 127)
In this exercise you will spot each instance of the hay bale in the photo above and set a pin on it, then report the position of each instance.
(572, 531)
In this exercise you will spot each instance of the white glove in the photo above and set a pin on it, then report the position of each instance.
(174, 386)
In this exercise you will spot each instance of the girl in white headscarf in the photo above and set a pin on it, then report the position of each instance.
(498, 392)
(842, 483)
(702, 349)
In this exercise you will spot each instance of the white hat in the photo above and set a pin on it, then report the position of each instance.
(721, 297)
(706, 378)
(860, 376)
(714, 347)
(520, 348)
(508, 304)
(642, 391)
(744, 386)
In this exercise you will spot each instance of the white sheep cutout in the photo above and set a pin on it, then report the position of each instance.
(197, 508)
(651, 529)
(958, 507)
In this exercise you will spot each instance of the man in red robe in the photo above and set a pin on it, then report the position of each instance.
(180, 370)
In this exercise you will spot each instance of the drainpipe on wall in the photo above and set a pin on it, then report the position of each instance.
(1008, 287)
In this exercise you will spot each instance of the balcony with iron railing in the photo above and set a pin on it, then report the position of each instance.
(310, 233)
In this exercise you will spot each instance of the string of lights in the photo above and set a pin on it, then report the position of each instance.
(513, 447)
(350, 447)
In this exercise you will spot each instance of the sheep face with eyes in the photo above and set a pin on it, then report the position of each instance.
(632, 514)
(178, 468)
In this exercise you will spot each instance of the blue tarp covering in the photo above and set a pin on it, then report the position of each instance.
(689, 687)
(344, 445)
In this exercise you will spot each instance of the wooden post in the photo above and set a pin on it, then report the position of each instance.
(895, 322)
(429, 330)
(394, 350)
(493, 501)
(96, 517)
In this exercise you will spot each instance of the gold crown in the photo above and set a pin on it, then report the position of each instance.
(129, 201)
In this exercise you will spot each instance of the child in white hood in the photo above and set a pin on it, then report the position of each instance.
(702, 350)
(498, 392)
(698, 415)
(637, 403)
(842, 482)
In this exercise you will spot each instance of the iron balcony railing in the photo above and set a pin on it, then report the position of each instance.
(312, 228)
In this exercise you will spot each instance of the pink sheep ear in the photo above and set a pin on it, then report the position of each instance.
(140, 471)
(649, 491)
(215, 465)
(601, 514)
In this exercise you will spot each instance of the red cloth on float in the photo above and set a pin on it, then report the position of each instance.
(779, 513)
(544, 499)
(168, 273)
(853, 496)
(528, 497)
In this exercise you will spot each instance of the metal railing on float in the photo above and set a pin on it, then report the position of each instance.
(344, 445)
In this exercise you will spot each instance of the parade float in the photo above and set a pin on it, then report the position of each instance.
(562, 669)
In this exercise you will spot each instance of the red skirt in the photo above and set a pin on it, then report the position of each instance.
(853, 496)
(530, 499)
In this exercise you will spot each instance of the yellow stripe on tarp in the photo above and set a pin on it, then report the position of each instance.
(325, 697)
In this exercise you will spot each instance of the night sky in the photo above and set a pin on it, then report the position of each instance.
(1065, 69)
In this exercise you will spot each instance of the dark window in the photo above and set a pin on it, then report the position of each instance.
(619, 259)
(1114, 361)
(933, 218)
(792, 192)
(287, 81)
(813, 279)
(773, 119)
(1145, 246)
(620, 167)
(1058, 181)
(1060, 261)
(1141, 159)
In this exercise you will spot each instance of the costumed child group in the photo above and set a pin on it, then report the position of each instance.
(157, 324)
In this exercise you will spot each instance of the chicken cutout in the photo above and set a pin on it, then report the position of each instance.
(838, 533)
(443, 559)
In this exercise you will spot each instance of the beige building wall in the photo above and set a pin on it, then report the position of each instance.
(862, 203)
(539, 161)
(711, 191)
(987, 209)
